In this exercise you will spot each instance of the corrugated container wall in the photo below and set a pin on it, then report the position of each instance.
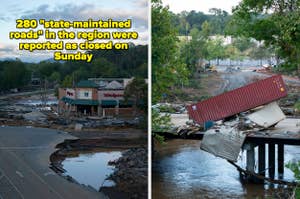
(238, 100)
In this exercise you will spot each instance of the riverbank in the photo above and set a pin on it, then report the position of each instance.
(131, 175)
(131, 169)
(89, 135)
(181, 170)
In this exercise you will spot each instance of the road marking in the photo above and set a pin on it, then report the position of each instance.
(32, 171)
(19, 174)
(49, 173)
(37, 175)
(12, 184)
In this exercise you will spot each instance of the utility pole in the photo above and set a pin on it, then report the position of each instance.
(44, 89)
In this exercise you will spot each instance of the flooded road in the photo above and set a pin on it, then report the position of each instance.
(182, 170)
(91, 169)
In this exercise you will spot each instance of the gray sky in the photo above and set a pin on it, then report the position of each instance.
(177, 6)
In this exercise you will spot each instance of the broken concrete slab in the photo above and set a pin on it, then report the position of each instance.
(268, 115)
(224, 142)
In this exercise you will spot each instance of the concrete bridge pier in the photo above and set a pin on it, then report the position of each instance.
(262, 160)
(250, 159)
(271, 156)
(280, 158)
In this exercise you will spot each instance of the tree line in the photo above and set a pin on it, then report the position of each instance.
(259, 30)
(106, 63)
(203, 37)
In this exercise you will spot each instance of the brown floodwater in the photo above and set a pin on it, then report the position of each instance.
(91, 169)
(181, 170)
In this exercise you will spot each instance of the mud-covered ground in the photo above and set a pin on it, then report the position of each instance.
(93, 135)
(131, 175)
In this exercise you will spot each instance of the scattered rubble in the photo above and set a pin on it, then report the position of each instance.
(24, 110)
(78, 127)
(35, 116)
(170, 108)
(131, 173)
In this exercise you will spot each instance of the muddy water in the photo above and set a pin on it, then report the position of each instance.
(182, 170)
(91, 169)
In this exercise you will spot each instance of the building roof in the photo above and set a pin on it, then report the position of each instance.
(86, 84)
(114, 85)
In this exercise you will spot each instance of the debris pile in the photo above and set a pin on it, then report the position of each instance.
(225, 140)
(232, 133)
(131, 175)
(170, 108)
(254, 108)
(31, 110)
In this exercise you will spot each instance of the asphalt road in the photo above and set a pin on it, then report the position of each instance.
(28, 93)
(24, 166)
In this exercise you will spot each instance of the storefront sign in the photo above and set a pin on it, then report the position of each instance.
(70, 93)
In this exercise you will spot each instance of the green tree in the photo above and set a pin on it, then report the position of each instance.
(196, 19)
(46, 69)
(55, 77)
(102, 68)
(276, 22)
(232, 52)
(216, 49)
(295, 167)
(13, 74)
(166, 61)
(261, 52)
(67, 82)
(219, 21)
(137, 91)
(243, 44)
(167, 66)
(196, 49)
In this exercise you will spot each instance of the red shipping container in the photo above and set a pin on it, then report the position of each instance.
(238, 100)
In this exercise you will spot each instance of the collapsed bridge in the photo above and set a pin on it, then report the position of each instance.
(265, 130)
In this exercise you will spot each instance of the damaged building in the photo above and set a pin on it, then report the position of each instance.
(96, 97)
